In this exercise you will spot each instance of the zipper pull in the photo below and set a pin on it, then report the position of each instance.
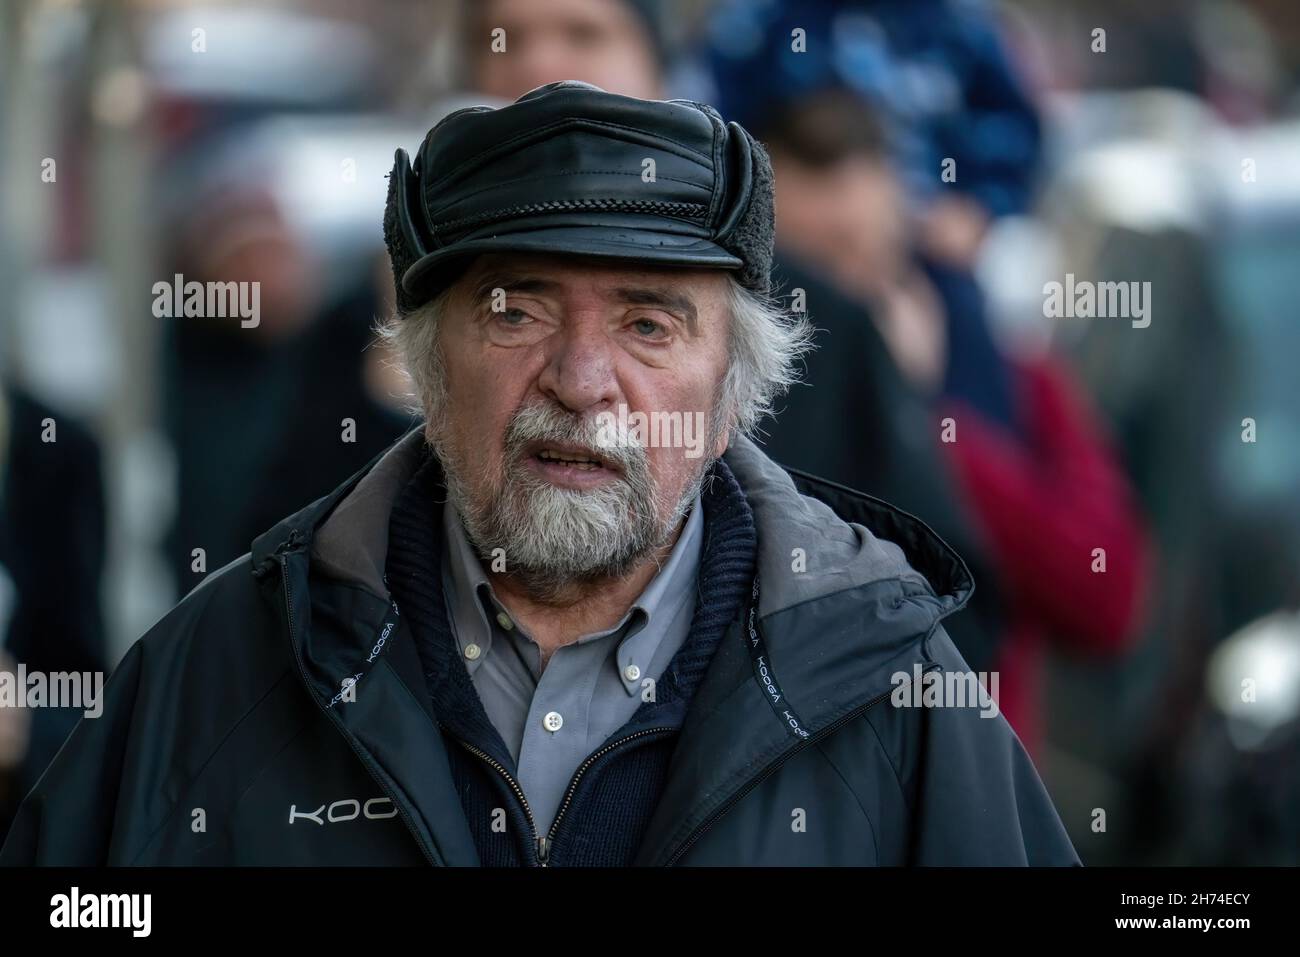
(543, 851)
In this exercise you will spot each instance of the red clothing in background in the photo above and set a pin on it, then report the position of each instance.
(1044, 502)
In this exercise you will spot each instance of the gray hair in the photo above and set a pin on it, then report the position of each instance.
(765, 347)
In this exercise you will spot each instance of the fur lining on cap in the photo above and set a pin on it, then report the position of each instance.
(400, 254)
(753, 239)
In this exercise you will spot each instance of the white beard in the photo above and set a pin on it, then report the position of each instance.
(553, 538)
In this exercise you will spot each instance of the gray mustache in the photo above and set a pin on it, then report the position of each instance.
(546, 423)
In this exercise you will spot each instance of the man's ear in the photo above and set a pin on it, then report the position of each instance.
(724, 440)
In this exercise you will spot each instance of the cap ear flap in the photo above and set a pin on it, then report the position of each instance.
(740, 171)
(406, 244)
(748, 229)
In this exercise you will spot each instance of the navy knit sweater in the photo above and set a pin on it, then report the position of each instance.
(618, 786)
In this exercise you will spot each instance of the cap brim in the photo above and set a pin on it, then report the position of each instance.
(434, 272)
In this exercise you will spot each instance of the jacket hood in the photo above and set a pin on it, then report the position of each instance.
(815, 538)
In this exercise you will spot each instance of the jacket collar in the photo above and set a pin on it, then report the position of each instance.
(848, 539)
(850, 591)
(347, 530)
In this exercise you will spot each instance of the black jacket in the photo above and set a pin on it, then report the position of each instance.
(226, 736)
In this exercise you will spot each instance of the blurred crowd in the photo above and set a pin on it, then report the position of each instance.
(1127, 496)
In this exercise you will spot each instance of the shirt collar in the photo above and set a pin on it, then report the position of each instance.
(674, 584)
(475, 609)
(470, 599)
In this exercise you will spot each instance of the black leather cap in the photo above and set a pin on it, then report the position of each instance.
(560, 170)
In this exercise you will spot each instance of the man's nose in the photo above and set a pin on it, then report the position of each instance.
(579, 371)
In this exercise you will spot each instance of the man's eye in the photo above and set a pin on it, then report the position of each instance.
(514, 317)
(648, 328)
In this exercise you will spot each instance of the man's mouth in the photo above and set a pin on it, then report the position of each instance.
(576, 459)
(570, 464)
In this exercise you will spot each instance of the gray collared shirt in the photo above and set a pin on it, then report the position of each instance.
(553, 719)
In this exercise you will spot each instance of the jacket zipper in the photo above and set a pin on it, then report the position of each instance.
(338, 723)
(544, 845)
(582, 769)
(785, 756)
(543, 849)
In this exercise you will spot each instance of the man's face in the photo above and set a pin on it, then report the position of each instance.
(546, 363)
(598, 41)
(847, 218)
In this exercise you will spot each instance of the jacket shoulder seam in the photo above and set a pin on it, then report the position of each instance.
(875, 844)
(893, 765)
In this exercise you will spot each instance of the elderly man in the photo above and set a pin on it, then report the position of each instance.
(578, 618)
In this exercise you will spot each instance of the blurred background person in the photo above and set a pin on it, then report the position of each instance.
(618, 45)
(221, 370)
(52, 544)
(313, 400)
(349, 406)
(962, 130)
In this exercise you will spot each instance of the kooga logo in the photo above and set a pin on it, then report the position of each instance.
(348, 809)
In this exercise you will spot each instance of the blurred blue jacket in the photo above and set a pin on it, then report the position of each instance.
(936, 70)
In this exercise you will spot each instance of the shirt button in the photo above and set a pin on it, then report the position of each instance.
(553, 721)
(632, 672)
(472, 652)
(504, 621)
